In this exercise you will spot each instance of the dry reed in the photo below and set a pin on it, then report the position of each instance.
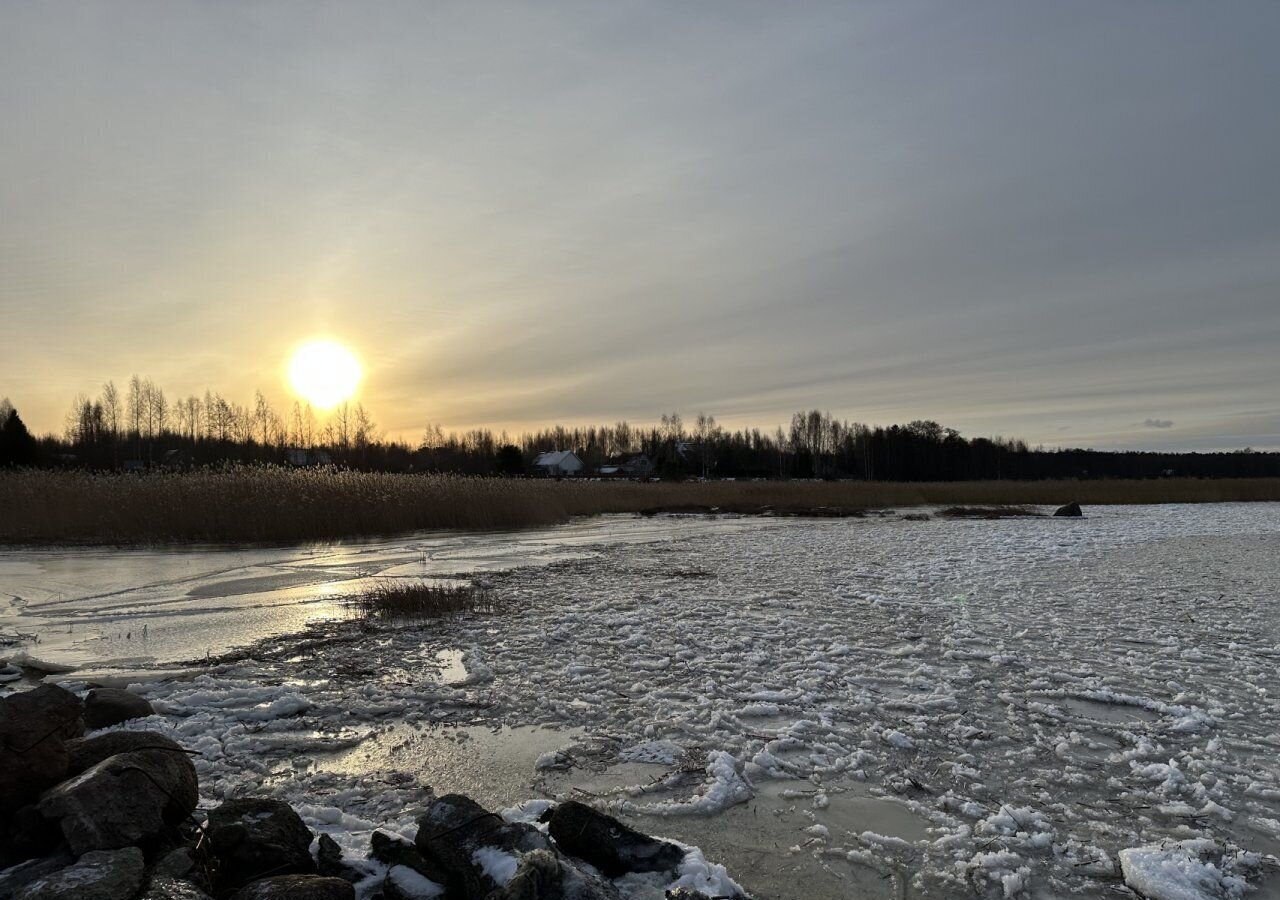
(419, 600)
(259, 505)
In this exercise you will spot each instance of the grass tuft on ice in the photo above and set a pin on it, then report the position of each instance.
(420, 600)
(988, 512)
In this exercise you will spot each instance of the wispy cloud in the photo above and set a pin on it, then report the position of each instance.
(1157, 423)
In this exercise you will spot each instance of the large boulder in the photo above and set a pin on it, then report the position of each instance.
(34, 726)
(471, 844)
(612, 847)
(129, 798)
(16, 877)
(166, 887)
(104, 707)
(396, 852)
(85, 753)
(252, 838)
(297, 887)
(329, 861)
(1071, 509)
(99, 875)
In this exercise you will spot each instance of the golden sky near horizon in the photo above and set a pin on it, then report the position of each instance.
(1031, 220)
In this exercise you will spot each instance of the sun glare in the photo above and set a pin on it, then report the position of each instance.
(324, 373)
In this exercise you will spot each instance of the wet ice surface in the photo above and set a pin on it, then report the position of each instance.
(115, 607)
(861, 708)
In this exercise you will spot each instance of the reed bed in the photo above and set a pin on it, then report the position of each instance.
(418, 601)
(264, 505)
(988, 512)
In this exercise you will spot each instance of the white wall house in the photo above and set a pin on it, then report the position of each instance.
(558, 463)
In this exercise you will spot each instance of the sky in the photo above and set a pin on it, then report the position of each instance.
(1055, 221)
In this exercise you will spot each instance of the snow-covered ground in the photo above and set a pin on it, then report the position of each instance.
(875, 707)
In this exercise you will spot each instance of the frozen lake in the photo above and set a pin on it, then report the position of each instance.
(850, 708)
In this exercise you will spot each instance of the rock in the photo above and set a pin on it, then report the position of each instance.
(404, 883)
(29, 835)
(104, 707)
(98, 875)
(174, 864)
(297, 887)
(34, 726)
(612, 847)
(19, 876)
(167, 887)
(455, 827)
(252, 837)
(1071, 509)
(397, 852)
(686, 894)
(329, 861)
(545, 875)
(129, 798)
(86, 753)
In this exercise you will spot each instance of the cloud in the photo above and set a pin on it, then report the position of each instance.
(1157, 423)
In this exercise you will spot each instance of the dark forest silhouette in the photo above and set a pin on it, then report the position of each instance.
(140, 429)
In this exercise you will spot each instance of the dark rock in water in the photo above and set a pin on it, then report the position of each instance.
(395, 851)
(88, 752)
(612, 847)
(19, 876)
(404, 883)
(1071, 509)
(329, 861)
(686, 894)
(34, 726)
(126, 799)
(544, 875)
(455, 827)
(99, 875)
(28, 835)
(297, 887)
(104, 707)
(166, 887)
(253, 837)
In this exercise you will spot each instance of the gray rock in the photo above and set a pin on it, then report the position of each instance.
(99, 875)
(126, 799)
(254, 837)
(297, 887)
(104, 707)
(329, 861)
(544, 875)
(397, 852)
(167, 887)
(1071, 509)
(455, 826)
(34, 726)
(609, 845)
(19, 876)
(86, 753)
(174, 864)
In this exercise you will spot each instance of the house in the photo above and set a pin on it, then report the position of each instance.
(638, 466)
(558, 463)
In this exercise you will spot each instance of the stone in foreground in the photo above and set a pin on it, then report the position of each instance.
(612, 847)
(297, 887)
(126, 799)
(166, 887)
(34, 726)
(254, 837)
(104, 707)
(100, 875)
(1071, 509)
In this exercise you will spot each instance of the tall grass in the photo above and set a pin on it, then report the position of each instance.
(246, 505)
(416, 601)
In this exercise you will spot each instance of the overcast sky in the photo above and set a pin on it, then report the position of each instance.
(1059, 221)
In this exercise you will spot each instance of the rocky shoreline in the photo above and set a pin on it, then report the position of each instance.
(114, 816)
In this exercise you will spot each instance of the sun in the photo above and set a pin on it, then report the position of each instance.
(324, 373)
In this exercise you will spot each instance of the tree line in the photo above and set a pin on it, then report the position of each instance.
(140, 427)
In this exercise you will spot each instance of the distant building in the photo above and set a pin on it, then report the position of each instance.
(639, 466)
(558, 463)
(297, 456)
